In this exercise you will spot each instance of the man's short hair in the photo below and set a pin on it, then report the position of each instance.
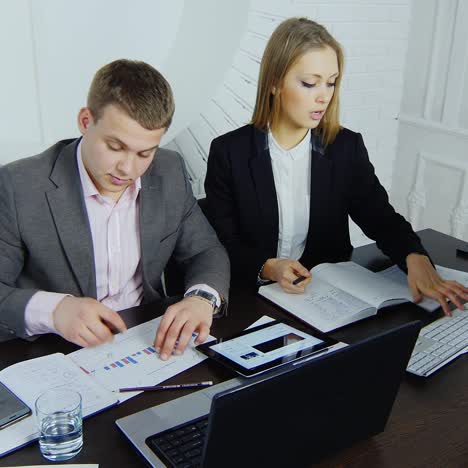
(136, 88)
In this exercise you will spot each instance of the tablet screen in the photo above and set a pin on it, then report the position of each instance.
(267, 346)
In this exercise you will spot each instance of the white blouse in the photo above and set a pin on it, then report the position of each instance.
(291, 172)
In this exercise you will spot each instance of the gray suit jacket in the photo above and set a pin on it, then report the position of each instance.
(45, 237)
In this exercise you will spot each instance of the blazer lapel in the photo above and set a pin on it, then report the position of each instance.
(262, 176)
(152, 223)
(71, 219)
(320, 185)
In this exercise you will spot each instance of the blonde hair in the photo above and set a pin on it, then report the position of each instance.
(288, 43)
(136, 88)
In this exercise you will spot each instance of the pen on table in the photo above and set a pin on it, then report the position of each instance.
(298, 280)
(207, 383)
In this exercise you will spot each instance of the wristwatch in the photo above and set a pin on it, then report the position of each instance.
(211, 299)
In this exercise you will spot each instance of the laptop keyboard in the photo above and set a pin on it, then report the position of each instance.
(181, 446)
(439, 343)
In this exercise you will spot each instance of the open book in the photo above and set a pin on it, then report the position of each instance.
(28, 379)
(97, 373)
(342, 293)
(395, 275)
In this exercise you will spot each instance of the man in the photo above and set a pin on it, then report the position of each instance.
(87, 227)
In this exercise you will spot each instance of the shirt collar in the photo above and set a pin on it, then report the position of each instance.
(298, 151)
(89, 188)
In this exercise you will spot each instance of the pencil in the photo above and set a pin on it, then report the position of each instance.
(153, 388)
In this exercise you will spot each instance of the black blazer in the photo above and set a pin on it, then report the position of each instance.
(242, 204)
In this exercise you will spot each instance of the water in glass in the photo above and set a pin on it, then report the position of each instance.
(59, 419)
(61, 436)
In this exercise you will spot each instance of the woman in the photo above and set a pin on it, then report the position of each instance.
(280, 190)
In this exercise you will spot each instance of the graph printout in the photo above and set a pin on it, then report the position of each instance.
(131, 360)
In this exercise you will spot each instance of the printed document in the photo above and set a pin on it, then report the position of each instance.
(131, 360)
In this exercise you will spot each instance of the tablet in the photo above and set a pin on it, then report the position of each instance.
(266, 347)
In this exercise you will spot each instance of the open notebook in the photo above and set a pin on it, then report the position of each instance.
(342, 293)
(97, 373)
(28, 379)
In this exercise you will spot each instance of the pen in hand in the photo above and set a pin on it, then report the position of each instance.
(298, 280)
(152, 388)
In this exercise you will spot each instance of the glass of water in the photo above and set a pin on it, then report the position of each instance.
(60, 424)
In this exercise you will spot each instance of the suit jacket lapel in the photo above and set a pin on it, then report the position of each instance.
(152, 223)
(320, 185)
(71, 219)
(262, 175)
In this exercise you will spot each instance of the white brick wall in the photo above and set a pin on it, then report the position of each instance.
(374, 36)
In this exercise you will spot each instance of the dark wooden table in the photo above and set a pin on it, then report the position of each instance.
(428, 426)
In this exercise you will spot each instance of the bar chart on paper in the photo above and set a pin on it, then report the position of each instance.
(134, 358)
(131, 360)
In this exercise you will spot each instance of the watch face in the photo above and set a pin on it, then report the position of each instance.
(203, 295)
(211, 298)
(206, 295)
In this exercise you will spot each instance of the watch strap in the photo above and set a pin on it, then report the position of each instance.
(209, 298)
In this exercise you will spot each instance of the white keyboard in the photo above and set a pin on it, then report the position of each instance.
(439, 343)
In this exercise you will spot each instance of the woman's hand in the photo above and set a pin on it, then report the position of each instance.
(424, 280)
(284, 271)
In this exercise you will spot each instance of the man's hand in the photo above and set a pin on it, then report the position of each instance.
(85, 321)
(284, 271)
(424, 280)
(178, 324)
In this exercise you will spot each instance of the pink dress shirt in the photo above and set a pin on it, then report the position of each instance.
(115, 231)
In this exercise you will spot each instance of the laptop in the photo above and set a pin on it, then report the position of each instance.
(292, 417)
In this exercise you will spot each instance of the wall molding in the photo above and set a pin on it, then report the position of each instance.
(432, 125)
(458, 61)
(417, 197)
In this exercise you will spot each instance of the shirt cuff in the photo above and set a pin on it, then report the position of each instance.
(38, 313)
(208, 289)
